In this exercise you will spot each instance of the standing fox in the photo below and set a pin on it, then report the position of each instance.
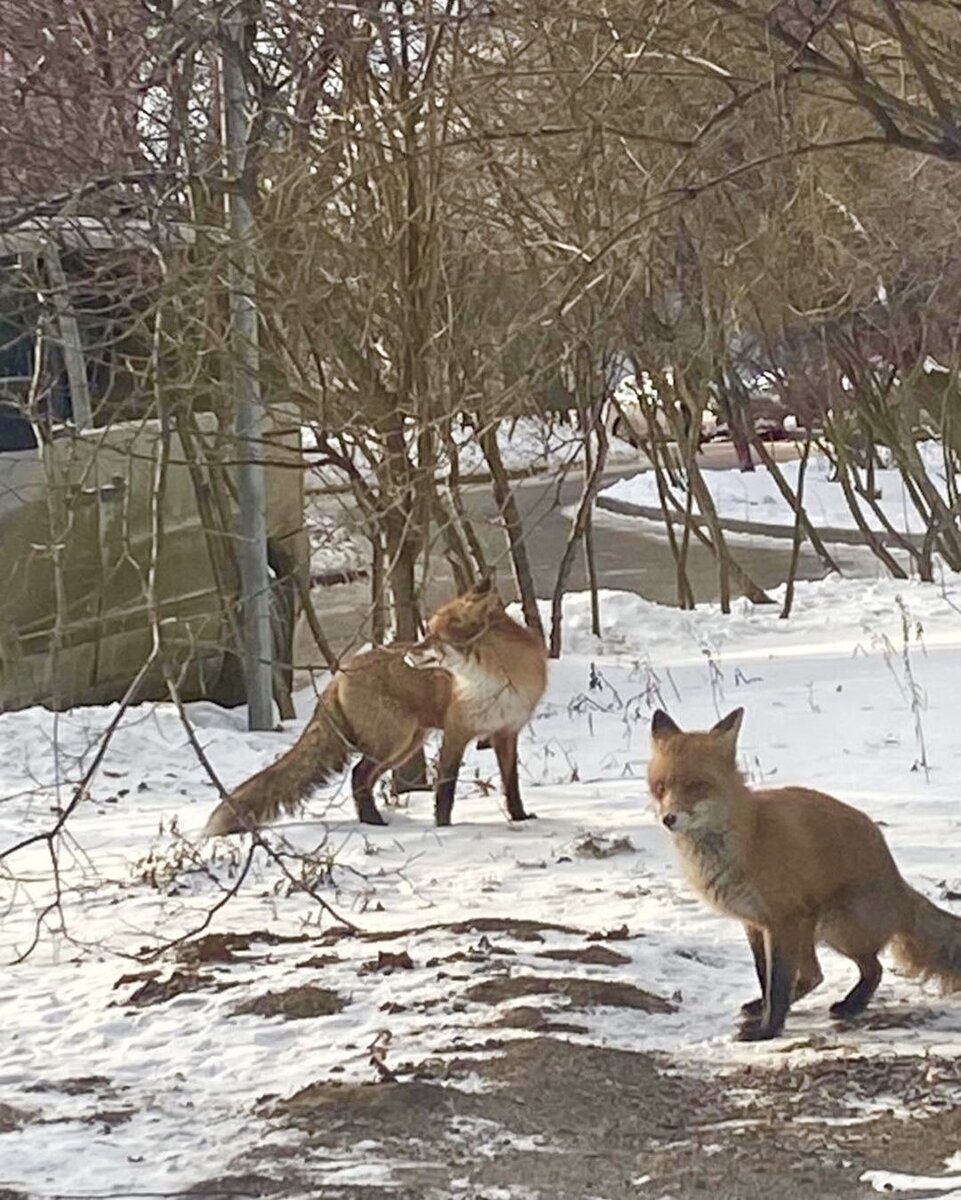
(798, 868)
(477, 674)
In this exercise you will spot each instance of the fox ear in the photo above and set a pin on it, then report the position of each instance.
(728, 728)
(662, 726)
(484, 584)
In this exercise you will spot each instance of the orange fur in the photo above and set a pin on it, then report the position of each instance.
(477, 674)
(798, 868)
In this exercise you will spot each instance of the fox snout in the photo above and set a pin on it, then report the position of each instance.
(676, 820)
(686, 807)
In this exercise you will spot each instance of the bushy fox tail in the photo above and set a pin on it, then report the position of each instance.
(321, 752)
(929, 945)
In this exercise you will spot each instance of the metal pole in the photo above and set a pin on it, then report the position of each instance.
(249, 421)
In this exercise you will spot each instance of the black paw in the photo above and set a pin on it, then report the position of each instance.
(442, 820)
(523, 816)
(370, 816)
(843, 1011)
(755, 1031)
(753, 1008)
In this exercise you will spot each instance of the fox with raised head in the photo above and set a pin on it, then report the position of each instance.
(477, 674)
(798, 868)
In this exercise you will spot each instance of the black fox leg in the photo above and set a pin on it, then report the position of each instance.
(856, 1000)
(755, 939)
(784, 948)
(451, 755)
(505, 747)
(807, 976)
(362, 779)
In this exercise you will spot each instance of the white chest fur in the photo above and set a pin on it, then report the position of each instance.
(714, 869)
(490, 698)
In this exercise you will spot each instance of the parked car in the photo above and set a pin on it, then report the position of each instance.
(627, 420)
(98, 555)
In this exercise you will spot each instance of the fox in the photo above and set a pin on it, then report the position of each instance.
(477, 673)
(799, 869)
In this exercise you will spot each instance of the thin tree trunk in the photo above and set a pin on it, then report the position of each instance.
(705, 502)
(378, 590)
(685, 593)
(592, 484)
(870, 537)
(513, 525)
(455, 549)
(592, 584)
(457, 502)
(589, 559)
(313, 623)
(796, 539)
(403, 537)
(794, 501)
(750, 589)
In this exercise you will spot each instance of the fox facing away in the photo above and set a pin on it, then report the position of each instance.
(477, 674)
(798, 868)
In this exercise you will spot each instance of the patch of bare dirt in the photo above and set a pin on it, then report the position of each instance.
(213, 948)
(894, 1016)
(594, 955)
(109, 1118)
(597, 846)
(922, 1086)
(387, 963)
(294, 1004)
(238, 1187)
(230, 947)
(364, 1100)
(13, 1118)
(77, 1085)
(582, 993)
(620, 934)
(137, 977)
(567, 1121)
(521, 929)
(319, 960)
(157, 990)
(536, 1020)
(483, 952)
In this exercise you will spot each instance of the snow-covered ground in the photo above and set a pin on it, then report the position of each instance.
(754, 496)
(854, 694)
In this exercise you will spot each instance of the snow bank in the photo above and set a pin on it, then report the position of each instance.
(831, 615)
(754, 496)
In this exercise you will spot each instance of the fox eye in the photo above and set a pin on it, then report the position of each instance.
(658, 789)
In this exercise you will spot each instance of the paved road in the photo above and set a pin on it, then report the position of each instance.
(629, 556)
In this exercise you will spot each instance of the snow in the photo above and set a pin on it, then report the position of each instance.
(531, 443)
(754, 496)
(944, 1187)
(938, 1187)
(334, 544)
(836, 698)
